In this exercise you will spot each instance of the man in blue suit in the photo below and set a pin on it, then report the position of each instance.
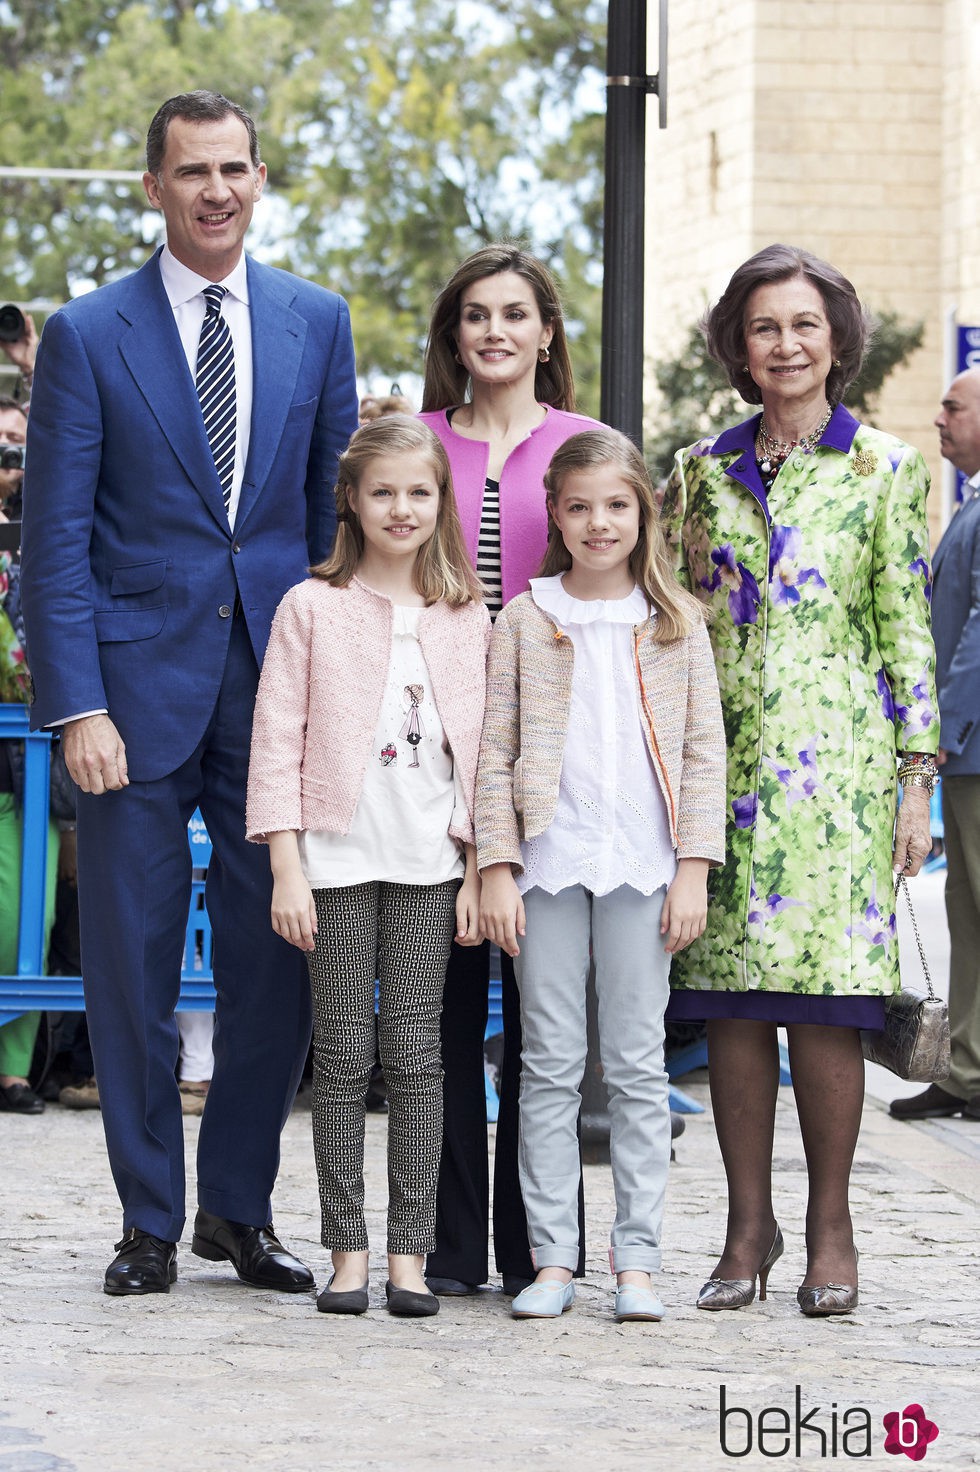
(956, 627)
(154, 559)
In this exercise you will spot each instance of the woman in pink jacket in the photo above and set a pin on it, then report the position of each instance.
(499, 394)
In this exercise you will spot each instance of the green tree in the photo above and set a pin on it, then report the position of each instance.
(398, 138)
(696, 398)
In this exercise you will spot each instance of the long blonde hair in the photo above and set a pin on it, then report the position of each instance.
(443, 570)
(677, 612)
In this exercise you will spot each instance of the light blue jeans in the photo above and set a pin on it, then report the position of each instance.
(632, 968)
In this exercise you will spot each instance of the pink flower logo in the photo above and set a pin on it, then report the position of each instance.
(909, 1431)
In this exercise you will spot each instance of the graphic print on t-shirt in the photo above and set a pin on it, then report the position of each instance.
(413, 730)
(389, 754)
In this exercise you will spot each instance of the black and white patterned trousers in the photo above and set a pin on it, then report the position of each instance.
(401, 935)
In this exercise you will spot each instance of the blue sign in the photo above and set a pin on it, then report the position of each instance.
(199, 840)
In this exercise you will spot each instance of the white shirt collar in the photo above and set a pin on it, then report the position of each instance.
(182, 284)
(550, 596)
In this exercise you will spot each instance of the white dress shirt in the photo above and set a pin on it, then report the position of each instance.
(185, 292)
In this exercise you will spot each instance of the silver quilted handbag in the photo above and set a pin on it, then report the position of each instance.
(915, 1040)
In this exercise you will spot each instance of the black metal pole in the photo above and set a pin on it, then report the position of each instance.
(621, 399)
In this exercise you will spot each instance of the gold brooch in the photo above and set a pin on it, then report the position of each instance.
(865, 463)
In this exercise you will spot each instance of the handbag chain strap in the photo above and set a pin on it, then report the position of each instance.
(901, 884)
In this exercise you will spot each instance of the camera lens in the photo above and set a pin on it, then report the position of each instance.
(12, 324)
(12, 457)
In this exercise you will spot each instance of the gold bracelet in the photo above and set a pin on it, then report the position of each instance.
(918, 777)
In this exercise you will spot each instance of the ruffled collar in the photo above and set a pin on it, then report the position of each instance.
(550, 596)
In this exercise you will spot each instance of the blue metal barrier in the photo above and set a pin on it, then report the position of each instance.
(30, 989)
(15, 992)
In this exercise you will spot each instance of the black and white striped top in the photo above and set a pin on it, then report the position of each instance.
(488, 549)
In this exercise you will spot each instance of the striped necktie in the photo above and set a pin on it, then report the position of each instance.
(216, 388)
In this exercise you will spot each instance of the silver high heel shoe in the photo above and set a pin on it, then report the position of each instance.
(737, 1292)
(828, 1298)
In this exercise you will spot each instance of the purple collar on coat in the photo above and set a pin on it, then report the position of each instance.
(740, 441)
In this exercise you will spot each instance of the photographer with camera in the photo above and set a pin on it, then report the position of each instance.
(13, 437)
(17, 1037)
(18, 342)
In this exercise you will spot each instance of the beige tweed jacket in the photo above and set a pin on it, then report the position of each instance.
(529, 689)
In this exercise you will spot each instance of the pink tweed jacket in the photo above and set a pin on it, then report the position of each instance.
(319, 703)
(529, 691)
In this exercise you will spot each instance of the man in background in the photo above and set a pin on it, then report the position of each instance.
(956, 628)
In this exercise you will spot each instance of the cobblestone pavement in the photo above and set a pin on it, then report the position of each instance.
(220, 1376)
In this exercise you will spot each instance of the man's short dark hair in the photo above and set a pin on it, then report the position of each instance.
(6, 402)
(195, 107)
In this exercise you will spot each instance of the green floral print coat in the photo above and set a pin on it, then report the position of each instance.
(818, 606)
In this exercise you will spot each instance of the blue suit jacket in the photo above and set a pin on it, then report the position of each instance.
(128, 558)
(956, 629)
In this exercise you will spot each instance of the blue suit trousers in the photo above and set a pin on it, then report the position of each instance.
(134, 868)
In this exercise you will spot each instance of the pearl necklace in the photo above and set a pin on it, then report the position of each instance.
(773, 452)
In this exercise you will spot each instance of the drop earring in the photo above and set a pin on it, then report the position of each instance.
(543, 355)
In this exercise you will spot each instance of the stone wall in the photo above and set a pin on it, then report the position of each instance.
(845, 126)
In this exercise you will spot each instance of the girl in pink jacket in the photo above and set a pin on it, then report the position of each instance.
(362, 778)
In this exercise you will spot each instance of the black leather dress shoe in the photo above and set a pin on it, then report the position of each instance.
(450, 1287)
(255, 1253)
(20, 1099)
(932, 1103)
(143, 1264)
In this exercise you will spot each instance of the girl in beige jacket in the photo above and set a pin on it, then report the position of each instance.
(599, 808)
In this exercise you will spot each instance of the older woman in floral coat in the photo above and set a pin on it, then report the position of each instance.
(804, 533)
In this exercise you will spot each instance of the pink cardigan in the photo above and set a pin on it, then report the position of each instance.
(523, 518)
(319, 703)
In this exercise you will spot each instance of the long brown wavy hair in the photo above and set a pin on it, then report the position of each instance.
(446, 381)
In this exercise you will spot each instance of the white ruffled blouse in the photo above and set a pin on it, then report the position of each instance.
(610, 826)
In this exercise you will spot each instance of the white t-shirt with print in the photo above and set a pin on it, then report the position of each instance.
(400, 831)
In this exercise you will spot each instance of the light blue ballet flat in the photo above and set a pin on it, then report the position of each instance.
(543, 1301)
(634, 1303)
